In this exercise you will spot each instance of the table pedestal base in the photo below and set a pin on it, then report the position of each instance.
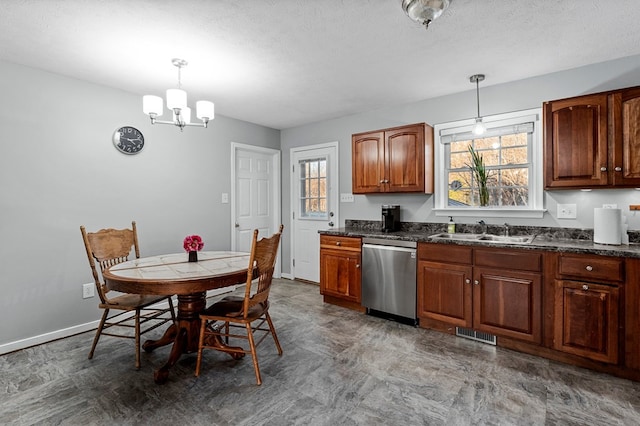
(184, 334)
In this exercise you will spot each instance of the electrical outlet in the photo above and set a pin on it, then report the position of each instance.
(87, 290)
(225, 198)
(346, 198)
(609, 206)
(567, 211)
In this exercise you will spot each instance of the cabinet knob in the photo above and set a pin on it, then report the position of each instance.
(603, 169)
(589, 268)
(618, 169)
(468, 281)
(338, 243)
(382, 181)
(357, 265)
(476, 282)
(585, 287)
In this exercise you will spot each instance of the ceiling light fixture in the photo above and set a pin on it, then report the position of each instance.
(424, 11)
(478, 128)
(177, 102)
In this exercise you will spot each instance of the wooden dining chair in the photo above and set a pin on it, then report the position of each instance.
(228, 317)
(109, 247)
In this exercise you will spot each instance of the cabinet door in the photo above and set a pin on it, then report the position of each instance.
(575, 142)
(586, 320)
(625, 116)
(508, 303)
(367, 157)
(444, 292)
(340, 274)
(404, 159)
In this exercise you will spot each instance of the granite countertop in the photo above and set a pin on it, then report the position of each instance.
(549, 239)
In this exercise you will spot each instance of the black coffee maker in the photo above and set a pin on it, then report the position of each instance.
(390, 218)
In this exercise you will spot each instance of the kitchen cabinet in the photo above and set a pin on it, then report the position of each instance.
(443, 289)
(587, 306)
(494, 290)
(593, 141)
(398, 159)
(340, 271)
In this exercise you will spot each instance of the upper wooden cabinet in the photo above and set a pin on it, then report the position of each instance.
(398, 159)
(593, 141)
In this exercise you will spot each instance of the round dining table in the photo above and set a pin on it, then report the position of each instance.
(173, 274)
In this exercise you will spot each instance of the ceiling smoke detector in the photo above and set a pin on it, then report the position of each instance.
(424, 11)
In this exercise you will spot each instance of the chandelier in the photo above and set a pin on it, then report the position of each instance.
(478, 128)
(424, 11)
(177, 102)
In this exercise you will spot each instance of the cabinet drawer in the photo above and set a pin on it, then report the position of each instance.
(509, 259)
(333, 241)
(591, 267)
(445, 253)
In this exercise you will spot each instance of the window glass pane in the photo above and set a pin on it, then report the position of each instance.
(514, 155)
(513, 140)
(313, 183)
(506, 159)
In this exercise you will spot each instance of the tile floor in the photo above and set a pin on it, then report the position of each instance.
(338, 368)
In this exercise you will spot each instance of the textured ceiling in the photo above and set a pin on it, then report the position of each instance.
(283, 63)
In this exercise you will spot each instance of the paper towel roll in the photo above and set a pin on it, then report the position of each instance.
(606, 226)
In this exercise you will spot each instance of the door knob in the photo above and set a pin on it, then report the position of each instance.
(237, 225)
(330, 223)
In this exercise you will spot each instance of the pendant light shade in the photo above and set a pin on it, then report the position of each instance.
(176, 98)
(205, 110)
(152, 105)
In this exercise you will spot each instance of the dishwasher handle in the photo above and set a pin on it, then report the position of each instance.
(388, 248)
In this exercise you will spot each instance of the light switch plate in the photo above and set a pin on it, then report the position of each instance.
(225, 198)
(346, 198)
(567, 211)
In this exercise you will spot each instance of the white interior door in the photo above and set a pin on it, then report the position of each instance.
(314, 203)
(256, 195)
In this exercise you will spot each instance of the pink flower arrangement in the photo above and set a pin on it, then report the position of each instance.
(193, 243)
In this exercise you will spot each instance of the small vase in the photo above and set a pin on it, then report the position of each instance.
(193, 256)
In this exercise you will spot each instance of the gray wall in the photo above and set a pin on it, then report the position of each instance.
(59, 170)
(514, 96)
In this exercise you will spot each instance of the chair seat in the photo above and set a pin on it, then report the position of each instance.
(132, 301)
(231, 307)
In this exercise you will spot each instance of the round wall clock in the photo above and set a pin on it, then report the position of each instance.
(128, 140)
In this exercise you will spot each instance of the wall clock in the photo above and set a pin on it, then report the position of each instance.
(128, 140)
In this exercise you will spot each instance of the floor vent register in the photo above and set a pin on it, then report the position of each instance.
(479, 336)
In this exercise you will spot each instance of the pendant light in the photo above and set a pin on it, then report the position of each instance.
(177, 103)
(478, 128)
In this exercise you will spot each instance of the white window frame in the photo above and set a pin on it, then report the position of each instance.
(535, 208)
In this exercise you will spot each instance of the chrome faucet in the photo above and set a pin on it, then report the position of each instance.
(506, 229)
(483, 226)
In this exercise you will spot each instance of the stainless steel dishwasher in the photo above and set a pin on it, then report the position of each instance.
(389, 278)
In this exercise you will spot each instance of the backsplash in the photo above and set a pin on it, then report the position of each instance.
(436, 228)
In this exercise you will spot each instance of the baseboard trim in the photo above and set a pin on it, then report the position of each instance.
(47, 337)
(28, 342)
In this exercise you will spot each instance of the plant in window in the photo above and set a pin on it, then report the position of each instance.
(481, 175)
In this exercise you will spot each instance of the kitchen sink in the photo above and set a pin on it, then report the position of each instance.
(486, 238)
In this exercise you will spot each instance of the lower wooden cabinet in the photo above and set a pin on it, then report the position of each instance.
(586, 320)
(508, 303)
(498, 291)
(587, 306)
(340, 271)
